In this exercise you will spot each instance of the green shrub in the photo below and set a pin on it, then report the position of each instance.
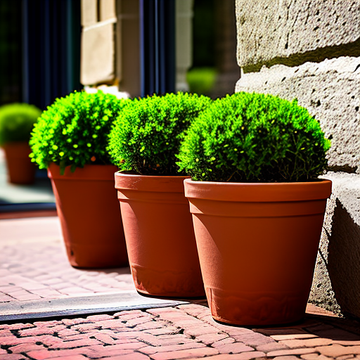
(147, 134)
(254, 138)
(74, 130)
(201, 80)
(17, 121)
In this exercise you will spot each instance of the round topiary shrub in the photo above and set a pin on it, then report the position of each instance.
(254, 138)
(17, 121)
(74, 130)
(146, 136)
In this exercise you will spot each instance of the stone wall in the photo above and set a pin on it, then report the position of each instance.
(310, 50)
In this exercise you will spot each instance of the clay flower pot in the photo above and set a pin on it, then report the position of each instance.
(19, 166)
(159, 235)
(89, 215)
(257, 246)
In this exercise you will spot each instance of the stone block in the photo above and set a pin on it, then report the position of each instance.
(97, 54)
(330, 91)
(107, 10)
(337, 273)
(274, 32)
(89, 12)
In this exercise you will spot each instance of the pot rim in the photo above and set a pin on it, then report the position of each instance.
(258, 192)
(88, 172)
(150, 183)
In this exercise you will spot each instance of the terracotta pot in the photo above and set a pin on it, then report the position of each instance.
(257, 246)
(20, 169)
(159, 235)
(89, 215)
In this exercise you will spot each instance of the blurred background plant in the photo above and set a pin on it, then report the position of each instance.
(17, 121)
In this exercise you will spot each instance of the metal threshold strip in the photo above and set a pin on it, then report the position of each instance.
(80, 305)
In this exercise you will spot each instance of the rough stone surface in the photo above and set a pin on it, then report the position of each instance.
(287, 31)
(330, 91)
(337, 274)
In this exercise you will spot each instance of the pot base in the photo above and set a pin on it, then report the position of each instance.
(257, 309)
(162, 283)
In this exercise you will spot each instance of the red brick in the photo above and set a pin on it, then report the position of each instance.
(253, 339)
(41, 331)
(292, 333)
(67, 332)
(128, 315)
(209, 339)
(302, 336)
(287, 352)
(271, 347)
(76, 336)
(70, 322)
(72, 357)
(242, 356)
(110, 324)
(181, 354)
(194, 310)
(47, 323)
(128, 336)
(139, 320)
(99, 317)
(132, 356)
(228, 340)
(150, 350)
(86, 327)
(314, 356)
(163, 330)
(113, 350)
(13, 340)
(164, 340)
(149, 325)
(200, 329)
(104, 338)
(232, 330)
(346, 342)
(17, 349)
(336, 350)
(20, 326)
(5, 332)
(234, 348)
(306, 342)
(12, 357)
(74, 344)
(50, 354)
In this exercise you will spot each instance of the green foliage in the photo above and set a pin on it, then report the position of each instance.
(17, 121)
(147, 134)
(254, 138)
(201, 80)
(74, 130)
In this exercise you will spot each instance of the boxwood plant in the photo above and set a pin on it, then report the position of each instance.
(249, 137)
(146, 136)
(17, 121)
(74, 130)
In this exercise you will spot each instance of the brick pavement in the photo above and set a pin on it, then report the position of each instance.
(182, 331)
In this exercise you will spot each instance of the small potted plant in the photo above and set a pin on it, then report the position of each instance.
(157, 222)
(257, 205)
(16, 123)
(70, 140)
